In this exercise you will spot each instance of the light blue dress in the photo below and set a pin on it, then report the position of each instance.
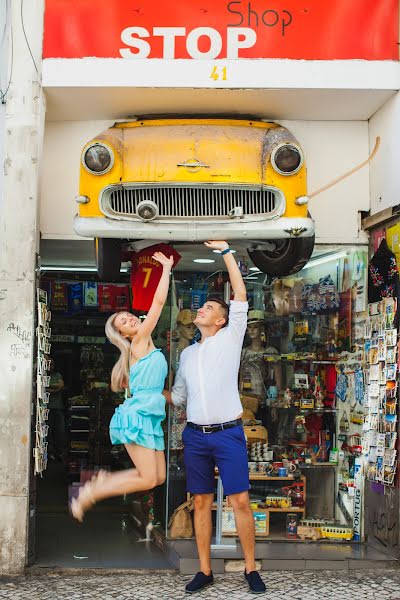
(138, 420)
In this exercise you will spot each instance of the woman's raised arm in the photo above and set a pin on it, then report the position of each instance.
(160, 297)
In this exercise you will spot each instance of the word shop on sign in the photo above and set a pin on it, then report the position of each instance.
(205, 42)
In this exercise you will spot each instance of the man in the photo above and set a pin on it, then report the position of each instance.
(56, 422)
(207, 382)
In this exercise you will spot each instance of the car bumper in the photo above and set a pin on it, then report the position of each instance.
(235, 229)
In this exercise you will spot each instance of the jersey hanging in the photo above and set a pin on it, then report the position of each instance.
(146, 274)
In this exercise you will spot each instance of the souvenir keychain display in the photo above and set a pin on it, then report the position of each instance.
(380, 418)
(43, 333)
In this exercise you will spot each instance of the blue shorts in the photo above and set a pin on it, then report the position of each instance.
(225, 449)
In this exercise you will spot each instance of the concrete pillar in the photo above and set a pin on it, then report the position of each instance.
(22, 122)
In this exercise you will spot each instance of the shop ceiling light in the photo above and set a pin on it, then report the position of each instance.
(204, 261)
(320, 260)
(219, 251)
(73, 269)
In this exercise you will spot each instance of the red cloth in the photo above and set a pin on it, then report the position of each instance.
(121, 297)
(313, 426)
(106, 295)
(146, 274)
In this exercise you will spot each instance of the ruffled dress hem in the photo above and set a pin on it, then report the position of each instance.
(136, 428)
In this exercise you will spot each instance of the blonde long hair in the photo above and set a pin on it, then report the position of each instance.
(120, 372)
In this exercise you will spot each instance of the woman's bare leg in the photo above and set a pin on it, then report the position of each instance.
(161, 469)
(149, 472)
(143, 477)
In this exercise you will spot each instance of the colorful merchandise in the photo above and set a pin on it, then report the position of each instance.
(106, 298)
(380, 417)
(321, 297)
(383, 276)
(75, 297)
(90, 294)
(59, 296)
(121, 297)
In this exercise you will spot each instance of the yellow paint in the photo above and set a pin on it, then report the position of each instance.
(393, 241)
(337, 532)
(149, 152)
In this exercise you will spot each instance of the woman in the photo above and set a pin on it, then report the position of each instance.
(141, 370)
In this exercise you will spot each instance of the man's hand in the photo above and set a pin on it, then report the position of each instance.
(236, 279)
(217, 245)
(167, 396)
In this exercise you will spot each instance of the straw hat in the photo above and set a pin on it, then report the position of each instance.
(255, 316)
(185, 316)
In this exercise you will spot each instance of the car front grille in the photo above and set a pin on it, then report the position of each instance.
(190, 202)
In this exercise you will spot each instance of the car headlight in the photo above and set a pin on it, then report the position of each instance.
(98, 158)
(287, 159)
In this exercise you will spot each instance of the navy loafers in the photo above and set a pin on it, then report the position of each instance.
(256, 584)
(199, 582)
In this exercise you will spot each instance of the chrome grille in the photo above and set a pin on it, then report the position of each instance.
(191, 202)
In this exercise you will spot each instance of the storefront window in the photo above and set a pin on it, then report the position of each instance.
(301, 384)
(300, 380)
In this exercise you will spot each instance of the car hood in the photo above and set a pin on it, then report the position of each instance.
(220, 153)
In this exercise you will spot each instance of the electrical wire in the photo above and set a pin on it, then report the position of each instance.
(3, 35)
(26, 39)
(3, 94)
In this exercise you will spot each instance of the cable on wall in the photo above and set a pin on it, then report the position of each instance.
(3, 94)
(26, 38)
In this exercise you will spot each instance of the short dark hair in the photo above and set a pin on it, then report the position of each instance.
(224, 307)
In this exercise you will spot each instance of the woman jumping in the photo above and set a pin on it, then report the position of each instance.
(140, 371)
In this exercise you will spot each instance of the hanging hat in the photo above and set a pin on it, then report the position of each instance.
(255, 316)
(185, 316)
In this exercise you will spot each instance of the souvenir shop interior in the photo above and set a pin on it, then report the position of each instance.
(307, 411)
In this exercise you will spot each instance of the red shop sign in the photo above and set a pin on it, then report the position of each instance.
(212, 29)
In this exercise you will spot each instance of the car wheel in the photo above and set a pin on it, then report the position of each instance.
(285, 257)
(108, 258)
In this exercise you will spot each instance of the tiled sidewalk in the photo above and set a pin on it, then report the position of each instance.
(305, 585)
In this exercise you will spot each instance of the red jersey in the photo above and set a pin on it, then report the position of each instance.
(146, 274)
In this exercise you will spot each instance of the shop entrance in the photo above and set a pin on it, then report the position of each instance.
(114, 532)
(302, 427)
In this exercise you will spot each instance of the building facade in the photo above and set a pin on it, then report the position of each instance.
(72, 75)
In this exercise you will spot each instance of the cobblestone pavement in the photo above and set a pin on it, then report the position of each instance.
(309, 585)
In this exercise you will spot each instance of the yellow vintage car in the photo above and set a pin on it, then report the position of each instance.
(195, 179)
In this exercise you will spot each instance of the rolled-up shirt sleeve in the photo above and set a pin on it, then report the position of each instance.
(237, 319)
(179, 391)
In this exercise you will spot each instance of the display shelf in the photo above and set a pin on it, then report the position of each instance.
(258, 534)
(304, 410)
(316, 465)
(288, 510)
(275, 358)
(79, 430)
(256, 477)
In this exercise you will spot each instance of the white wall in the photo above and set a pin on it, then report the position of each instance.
(59, 184)
(384, 169)
(331, 148)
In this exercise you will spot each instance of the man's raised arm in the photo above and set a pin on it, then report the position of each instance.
(235, 276)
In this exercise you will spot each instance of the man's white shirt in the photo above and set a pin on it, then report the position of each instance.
(207, 377)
